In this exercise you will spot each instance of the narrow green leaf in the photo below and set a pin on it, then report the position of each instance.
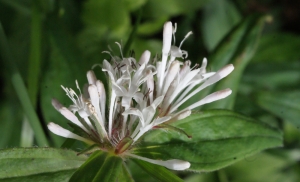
(102, 166)
(232, 49)
(132, 34)
(21, 91)
(240, 60)
(38, 163)
(227, 48)
(285, 105)
(218, 19)
(219, 138)
(158, 172)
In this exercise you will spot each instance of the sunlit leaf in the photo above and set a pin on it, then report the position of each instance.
(219, 138)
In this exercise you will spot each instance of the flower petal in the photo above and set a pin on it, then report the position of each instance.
(173, 164)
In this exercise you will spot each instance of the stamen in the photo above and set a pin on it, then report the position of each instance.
(120, 49)
(187, 35)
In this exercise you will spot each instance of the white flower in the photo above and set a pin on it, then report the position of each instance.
(143, 95)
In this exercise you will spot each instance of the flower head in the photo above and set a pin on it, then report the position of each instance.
(143, 95)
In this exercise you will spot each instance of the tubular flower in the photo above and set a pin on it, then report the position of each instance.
(142, 95)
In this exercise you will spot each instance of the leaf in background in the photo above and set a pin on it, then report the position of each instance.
(219, 17)
(157, 8)
(106, 16)
(219, 138)
(47, 164)
(57, 73)
(102, 167)
(158, 172)
(271, 168)
(10, 123)
(153, 26)
(278, 47)
(232, 49)
(240, 60)
(134, 4)
(285, 105)
(272, 76)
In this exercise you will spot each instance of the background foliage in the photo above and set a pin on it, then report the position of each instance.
(52, 43)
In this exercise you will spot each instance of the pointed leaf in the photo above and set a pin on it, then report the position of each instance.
(240, 60)
(42, 164)
(219, 138)
(158, 172)
(102, 166)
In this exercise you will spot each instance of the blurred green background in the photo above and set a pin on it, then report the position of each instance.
(48, 43)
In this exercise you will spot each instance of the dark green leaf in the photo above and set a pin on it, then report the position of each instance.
(219, 138)
(102, 166)
(219, 17)
(25, 164)
(158, 172)
(278, 47)
(285, 105)
(240, 60)
(157, 8)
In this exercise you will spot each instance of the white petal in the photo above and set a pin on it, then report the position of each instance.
(58, 130)
(56, 104)
(145, 57)
(213, 79)
(167, 37)
(150, 85)
(173, 164)
(135, 112)
(179, 116)
(71, 117)
(91, 77)
(211, 98)
(102, 98)
(159, 121)
(94, 95)
(173, 71)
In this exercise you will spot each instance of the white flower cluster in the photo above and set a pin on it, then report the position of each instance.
(142, 95)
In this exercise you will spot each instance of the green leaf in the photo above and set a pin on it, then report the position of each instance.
(102, 166)
(240, 60)
(27, 164)
(157, 8)
(158, 172)
(285, 105)
(278, 47)
(219, 16)
(278, 75)
(219, 138)
(231, 43)
(105, 16)
(233, 48)
(270, 169)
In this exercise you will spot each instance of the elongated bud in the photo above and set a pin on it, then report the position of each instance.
(91, 77)
(167, 37)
